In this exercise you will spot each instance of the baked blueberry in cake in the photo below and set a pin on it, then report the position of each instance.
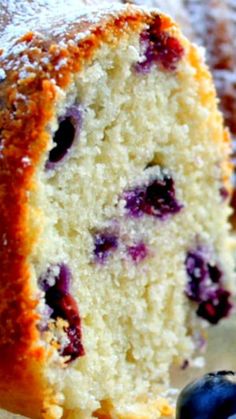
(115, 245)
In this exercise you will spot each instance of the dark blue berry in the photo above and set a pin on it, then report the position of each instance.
(69, 126)
(211, 397)
(104, 244)
(157, 199)
(205, 287)
(68, 310)
(55, 282)
(215, 308)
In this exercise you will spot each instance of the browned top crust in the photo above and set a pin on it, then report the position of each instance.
(30, 70)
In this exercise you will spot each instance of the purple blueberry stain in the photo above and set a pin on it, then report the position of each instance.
(134, 201)
(159, 48)
(68, 129)
(205, 287)
(137, 252)
(55, 282)
(224, 193)
(105, 244)
(197, 271)
(157, 199)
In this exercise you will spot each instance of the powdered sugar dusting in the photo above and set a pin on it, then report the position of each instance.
(48, 20)
(19, 17)
(2, 75)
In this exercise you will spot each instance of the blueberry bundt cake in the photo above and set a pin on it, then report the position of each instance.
(114, 187)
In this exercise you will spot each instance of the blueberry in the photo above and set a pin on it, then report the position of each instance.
(68, 310)
(215, 308)
(55, 282)
(159, 48)
(157, 199)
(160, 198)
(211, 397)
(59, 276)
(104, 244)
(206, 288)
(69, 126)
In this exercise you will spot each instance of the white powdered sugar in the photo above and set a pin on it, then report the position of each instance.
(22, 16)
(2, 75)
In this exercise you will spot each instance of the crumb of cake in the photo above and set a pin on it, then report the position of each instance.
(143, 409)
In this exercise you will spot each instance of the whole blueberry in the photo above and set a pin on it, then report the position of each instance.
(211, 397)
(69, 127)
(157, 199)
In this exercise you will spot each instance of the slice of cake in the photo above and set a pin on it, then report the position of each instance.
(114, 185)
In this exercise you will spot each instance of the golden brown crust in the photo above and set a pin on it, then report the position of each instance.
(27, 100)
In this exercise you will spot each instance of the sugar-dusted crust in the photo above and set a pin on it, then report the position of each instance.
(31, 70)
